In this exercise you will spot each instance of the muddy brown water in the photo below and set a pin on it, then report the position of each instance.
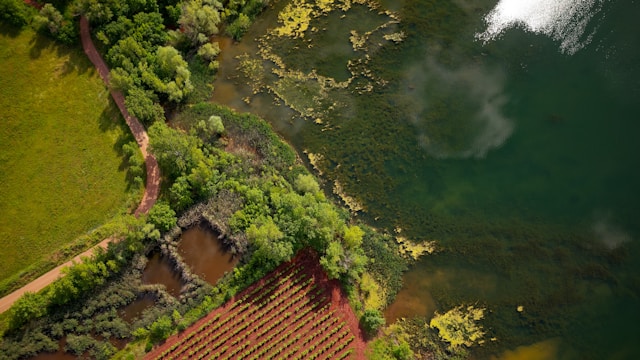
(132, 311)
(203, 253)
(160, 271)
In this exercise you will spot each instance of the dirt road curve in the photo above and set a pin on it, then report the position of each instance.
(153, 172)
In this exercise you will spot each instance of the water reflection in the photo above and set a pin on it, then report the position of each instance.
(132, 311)
(547, 350)
(160, 271)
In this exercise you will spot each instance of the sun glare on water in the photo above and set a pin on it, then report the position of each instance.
(564, 21)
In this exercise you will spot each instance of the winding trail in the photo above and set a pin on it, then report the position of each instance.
(152, 187)
(153, 172)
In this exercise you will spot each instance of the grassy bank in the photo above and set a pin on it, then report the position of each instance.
(61, 171)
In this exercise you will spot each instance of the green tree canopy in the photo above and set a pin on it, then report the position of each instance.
(200, 20)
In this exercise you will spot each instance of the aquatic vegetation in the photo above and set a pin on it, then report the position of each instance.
(459, 327)
(414, 250)
(295, 19)
(375, 296)
(306, 88)
(351, 202)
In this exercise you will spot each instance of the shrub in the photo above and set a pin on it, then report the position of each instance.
(371, 321)
(15, 12)
(162, 217)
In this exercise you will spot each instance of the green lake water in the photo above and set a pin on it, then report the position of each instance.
(518, 155)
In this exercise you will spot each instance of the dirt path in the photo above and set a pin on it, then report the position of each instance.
(153, 172)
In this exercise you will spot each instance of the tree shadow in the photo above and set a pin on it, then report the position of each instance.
(109, 120)
(77, 61)
(39, 43)
(9, 30)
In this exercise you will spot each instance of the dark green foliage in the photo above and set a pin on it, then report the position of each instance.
(371, 321)
(78, 344)
(15, 12)
(33, 342)
(386, 265)
(202, 77)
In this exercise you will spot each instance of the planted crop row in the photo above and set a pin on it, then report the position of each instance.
(245, 334)
(288, 315)
(267, 281)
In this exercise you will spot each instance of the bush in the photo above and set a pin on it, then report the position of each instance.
(29, 306)
(160, 329)
(239, 26)
(15, 12)
(306, 184)
(371, 321)
(162, 217)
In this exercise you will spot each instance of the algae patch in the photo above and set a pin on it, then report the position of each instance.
(292, 59)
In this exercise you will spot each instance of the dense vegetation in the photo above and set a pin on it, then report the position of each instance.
(62, 173)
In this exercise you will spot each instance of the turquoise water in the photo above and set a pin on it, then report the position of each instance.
(518, 155)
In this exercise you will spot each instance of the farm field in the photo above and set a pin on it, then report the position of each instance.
(294, 312)
(61, 172)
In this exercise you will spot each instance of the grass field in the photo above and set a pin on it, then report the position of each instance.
(61, 173)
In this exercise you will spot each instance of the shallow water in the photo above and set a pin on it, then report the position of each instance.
(518, 155)
(133, 311)
(203, 253)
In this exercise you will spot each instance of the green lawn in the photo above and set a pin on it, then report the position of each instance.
(61, 173)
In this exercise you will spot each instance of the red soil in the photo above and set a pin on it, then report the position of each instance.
(276, 320)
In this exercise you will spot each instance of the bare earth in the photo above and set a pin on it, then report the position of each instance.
(153, 172)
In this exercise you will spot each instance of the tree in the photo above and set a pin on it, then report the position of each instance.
(15, 12)
(371, 321)
(200, 20)
(174, 72)
(269, 241)
(331, 261)
(353, 236)
(162, 217)
(239, 26)
(209, 129)
(306, 184)
(141, 104)
(209, 51)
(121, 80)
(160, 329)
(177, 153)
(29, 307)
(49, 18)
